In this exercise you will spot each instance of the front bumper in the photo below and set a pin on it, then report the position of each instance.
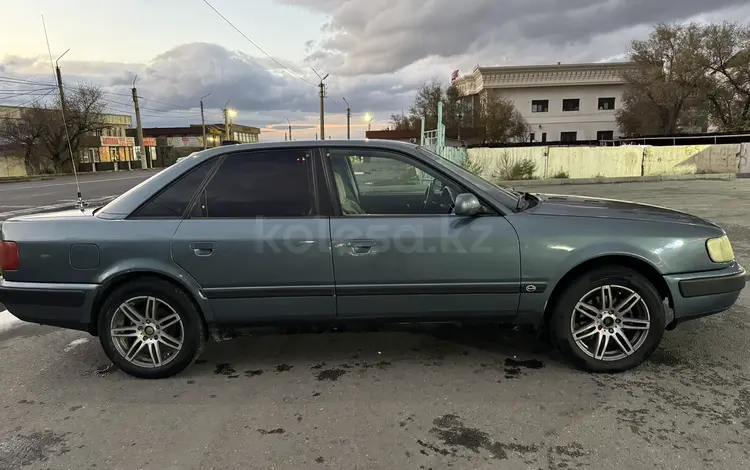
(62, 305)
(705, 293)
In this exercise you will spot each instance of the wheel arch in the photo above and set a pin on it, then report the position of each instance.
(638, 265)
(120, 279)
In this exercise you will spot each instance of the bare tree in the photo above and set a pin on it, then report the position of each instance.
(84, 109)
(667, 74)
(725, 54)
(401, 122)
(501, 121)
(25, 134)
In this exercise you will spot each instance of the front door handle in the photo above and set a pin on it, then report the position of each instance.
(203, 248)
(360, 247)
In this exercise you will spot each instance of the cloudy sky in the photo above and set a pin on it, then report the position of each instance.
(377, 52)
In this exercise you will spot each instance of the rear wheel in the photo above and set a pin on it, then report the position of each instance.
(609, 320)
(151, 329)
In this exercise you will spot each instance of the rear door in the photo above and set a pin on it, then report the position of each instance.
(255, 243)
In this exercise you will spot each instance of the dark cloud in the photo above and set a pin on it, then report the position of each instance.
(382, 36)
(172, 84)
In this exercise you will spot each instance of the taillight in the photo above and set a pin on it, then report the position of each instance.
(9, 257)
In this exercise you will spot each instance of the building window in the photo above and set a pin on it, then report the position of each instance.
(532, 137)
(606, 104)
(571, 105)
(544, 137)
(568, 136)
(605, 135)
(540, 106)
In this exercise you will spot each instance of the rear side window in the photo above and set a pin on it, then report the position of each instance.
(274, 183)
(172, 202)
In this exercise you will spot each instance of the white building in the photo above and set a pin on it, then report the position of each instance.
(564, 102)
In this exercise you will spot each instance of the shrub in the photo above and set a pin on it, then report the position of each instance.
(561, 175)
(472, 165)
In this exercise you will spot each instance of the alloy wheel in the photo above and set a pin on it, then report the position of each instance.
(147, 332)
(610, 322)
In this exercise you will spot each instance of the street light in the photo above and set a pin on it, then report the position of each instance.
(232, 113)
(368, 119)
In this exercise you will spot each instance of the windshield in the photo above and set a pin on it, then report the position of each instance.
(503, 194)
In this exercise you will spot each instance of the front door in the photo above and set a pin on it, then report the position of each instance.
(255, 243)
(400, 253)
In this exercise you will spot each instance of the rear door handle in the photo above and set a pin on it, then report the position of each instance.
(360, 247)
(203, 248)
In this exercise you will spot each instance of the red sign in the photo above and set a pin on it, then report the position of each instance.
(149, 141)
(108, 141)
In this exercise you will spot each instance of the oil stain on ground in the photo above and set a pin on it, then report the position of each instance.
(26, 449)
(272, 431)
(224, 369)
(514, 368)
(330, 374)
(105, 370)
(457, 438)
(283, 368)
(253, 373)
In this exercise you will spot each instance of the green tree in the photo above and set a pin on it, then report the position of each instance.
(667, 73)
(501, 121)
(725, 55)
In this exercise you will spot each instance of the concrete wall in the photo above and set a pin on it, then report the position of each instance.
(11, 166)
(635, 160)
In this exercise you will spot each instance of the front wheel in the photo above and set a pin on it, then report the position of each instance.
(151, 329)
(609, 320)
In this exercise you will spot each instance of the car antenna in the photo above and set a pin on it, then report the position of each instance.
(58, 79)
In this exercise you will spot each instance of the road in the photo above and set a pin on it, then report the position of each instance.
(439, 398)
(30, 194)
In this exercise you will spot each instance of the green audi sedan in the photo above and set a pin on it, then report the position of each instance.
(331, 232)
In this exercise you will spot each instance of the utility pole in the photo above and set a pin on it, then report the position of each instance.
(322, 105)
(62, 99)
(139, 131)
(290, 128)
(203, 122)
(60, 84)
(228, 115)
(348, 120)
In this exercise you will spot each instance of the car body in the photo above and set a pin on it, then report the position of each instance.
(348, 231)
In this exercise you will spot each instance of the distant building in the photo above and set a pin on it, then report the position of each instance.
(564, 102)
(174, 142)
(109, 145)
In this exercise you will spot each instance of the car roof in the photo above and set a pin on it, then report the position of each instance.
(133, 198)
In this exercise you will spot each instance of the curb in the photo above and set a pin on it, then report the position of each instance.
(619, 179)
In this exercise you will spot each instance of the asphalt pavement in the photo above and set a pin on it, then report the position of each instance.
(27, 195)
(435, 398)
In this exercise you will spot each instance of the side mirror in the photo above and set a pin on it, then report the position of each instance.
(467, 205)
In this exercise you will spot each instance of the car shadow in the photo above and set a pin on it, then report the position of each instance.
(499, 346)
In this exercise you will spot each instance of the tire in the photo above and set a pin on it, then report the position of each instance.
(588, 353)
(147, 363)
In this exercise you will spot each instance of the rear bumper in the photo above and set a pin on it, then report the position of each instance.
(62, 305)
(700, 294)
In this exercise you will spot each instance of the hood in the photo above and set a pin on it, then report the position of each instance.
(584, 206)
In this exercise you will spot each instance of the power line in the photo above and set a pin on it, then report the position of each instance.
(257, 46)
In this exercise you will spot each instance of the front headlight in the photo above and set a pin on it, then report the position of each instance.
(720, 250)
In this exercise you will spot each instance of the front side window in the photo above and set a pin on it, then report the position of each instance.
(376, 182)
(173, 201)
(248, 185)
